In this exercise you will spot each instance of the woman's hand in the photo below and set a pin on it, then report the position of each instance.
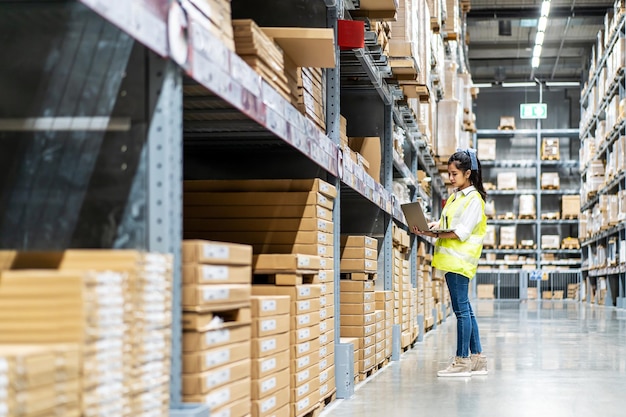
(420, 233)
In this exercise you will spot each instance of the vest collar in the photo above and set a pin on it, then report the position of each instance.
(466, 190)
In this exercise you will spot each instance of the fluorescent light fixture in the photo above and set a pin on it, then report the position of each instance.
(543, 24)
(482, 85)
(545, 8)
(537, 51)
(539, 38)
(535, 62)
(562, 84)
(521, 84)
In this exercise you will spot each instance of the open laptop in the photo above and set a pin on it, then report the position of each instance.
(415, 217)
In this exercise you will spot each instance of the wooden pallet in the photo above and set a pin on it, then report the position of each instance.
(364, 375)
(533, 246)
(570, 216)
(528, 216)
(550, 158)
(506, 127)
(359, 276)
(328, 399)
(286, 278)
(551, 216)
(549, 187)
(507, 247)
(314, 411)
(507, 216)
(489, 246)
(434, 25)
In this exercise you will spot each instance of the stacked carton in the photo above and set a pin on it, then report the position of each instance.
(271, 360)
(40, 380)
(214, 16)
(402, 285)
(216, 320)
(384, 303)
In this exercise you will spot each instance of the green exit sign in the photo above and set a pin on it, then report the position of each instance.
(533, 111)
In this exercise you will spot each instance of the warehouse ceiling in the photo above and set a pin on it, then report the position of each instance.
(502, 36)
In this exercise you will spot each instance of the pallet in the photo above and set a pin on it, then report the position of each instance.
(370, 372)
(435, 27)
(570, 247)
(533, 246)
(328, 399)
(507, 247)
(287, 278)
(550, 187)
(314, 411)
(507, 216)
(550, 158)
(506, 127)
(527, 216)
(551, 216)
(489, 246)
(571, 216)
(359, 276)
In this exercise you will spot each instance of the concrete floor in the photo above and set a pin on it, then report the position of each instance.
(551, 358)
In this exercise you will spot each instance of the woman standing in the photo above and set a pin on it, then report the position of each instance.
(457, 253)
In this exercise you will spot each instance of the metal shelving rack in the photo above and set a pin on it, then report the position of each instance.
(125, 144)
(531, 163)
(613, 272)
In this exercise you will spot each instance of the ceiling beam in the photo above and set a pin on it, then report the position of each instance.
(492, 45)
(533, 12)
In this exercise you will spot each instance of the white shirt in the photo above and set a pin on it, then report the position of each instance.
(470, 216)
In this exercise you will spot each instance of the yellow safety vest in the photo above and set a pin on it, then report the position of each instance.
(452, 255)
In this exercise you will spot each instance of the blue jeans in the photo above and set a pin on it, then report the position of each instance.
(467, 338)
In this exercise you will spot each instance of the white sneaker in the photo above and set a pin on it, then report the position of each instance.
(460, 367)
(479, 364)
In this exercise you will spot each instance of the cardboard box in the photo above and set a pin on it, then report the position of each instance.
(358, 298)
(309, 389)
(212, 358)
(216, 274)
(202, 383)
(356, 286)
(279, 185)
(327, 325)
(358, 331)
(309, 402)
(359, 241)
(550, 180)
(228, 316)
(485, 291)
(507, 181)
(239, 408)
(327, 337)
(271, 404)
(358, 309)
(367, 352)
(199, 341)
(216, 253)
(326, 276)
(358, 265)
(304, 362)
(358, 320)
(359, 253)
(550, 242)
(508, 236)
(269, 345)
(305, 320)
(270, 384)
(367, 364)
(487, 149)
(370, 148)
(223, 395)
(296, 292)
(270, 305)
(570, 205)
(304, 334)
(384, 295)
(266, 326)
(326, 362)
(204, 297)
(268, 263)
(301, 377)
(257, 199)
(550, 149)
(262, 367)
(507, 122)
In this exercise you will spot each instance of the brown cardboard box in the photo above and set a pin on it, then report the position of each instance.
(359, 241)
(229, 316)
(358, 265)
(223, 395)
(216, 253)
(370, 148)
(202, 383)
(507, 181)
(327, 387)
(309, 211)
(270, 305)
(269, 345)
(239, 408)
(280, 185)
(327, 325)
(487, 149)
(266, 326)
(358, 331)
(269, 240)
(358, 298)
(327, 263)
(356, 309)
(327, 374)
(199, 341)
(366, 341)
(301, 377)
(305, 320)
(304, 334)
(304, 362)
(262, 367)
(327, 337)
(384, 295)
(308, 402)
(356, 286)
(257, 198)
(212, 358)
(216, 274)
(267, 263)
(270, 384)
(296, 292)
(327, 313)
(204, 297)
(304, 348)
(358, 320)
(359, 253)
(271, 404)
(326, 275)
(367, 352)
(570, 205)
(367, 363)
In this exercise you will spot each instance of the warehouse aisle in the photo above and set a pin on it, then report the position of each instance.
(555, 359)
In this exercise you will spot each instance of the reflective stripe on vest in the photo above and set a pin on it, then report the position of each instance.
(452, 255)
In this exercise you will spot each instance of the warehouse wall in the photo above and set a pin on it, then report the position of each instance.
(563, 107)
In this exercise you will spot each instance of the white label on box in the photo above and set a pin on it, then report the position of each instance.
(216, 251)
(321, 224)
(324, 376)
(3, 396)
(321, 251)
(268, 404)
(323, 301)
(368, 296)
(322, 200)
(218, 398)
(304, 347)
(323, 351)
(323, 339)
(368, 308)
(304, 291)
(217, 336)
(304, 305)
(268, 385)
(304, 319)
(303, 389)
(324, 187)
(367, 340)
(323, 288)
(323, 265)
(323, 363)
(218, 378)
(324, 389)
(215, 358)
(368, 263)
(303, 361)
(304, 375)
(268, 365)
(323, 326)
(268, 345)
(368, 351)
(4, 365)
(323, 314)
(321, 237)
(303, 404)
(268, 325)
(223, 413)
(303, 261)
(321, 212)
(368, 252)
(268, 305)
(368, 319)
(304, 333)
(213, 294)
(211, 272)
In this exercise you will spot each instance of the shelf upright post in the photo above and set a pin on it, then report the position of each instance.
(538, 192)
(387, 179)
(413, 238)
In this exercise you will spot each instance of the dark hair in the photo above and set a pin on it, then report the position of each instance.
(463, 161)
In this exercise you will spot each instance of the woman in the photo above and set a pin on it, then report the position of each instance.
(457, 254)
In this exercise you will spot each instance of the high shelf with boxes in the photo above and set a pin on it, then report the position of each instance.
(602, 158)
(532, 182)
(149, 84)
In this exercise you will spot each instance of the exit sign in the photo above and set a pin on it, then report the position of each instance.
(533, 111)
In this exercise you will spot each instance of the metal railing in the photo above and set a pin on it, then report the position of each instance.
(507, 284)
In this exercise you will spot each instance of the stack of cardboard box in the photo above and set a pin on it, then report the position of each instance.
(40, 380)
(216, 320)
(384, 303)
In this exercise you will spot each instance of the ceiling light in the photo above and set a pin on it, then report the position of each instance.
(537, 51)
(539, 38)
(535, 62)
(562, 84)
(545, 8)
(543, 23)
(482, 85)
(522, 84)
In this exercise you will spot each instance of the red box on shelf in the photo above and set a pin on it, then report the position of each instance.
(350, 34)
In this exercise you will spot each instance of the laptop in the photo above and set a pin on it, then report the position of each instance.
(415, 217)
